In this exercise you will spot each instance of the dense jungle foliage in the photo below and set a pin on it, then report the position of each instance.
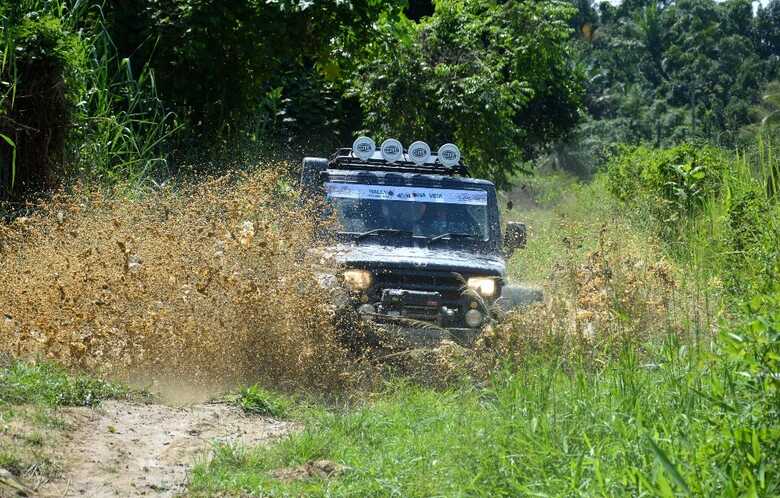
(121, 90)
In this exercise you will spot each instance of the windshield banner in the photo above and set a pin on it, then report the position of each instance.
(408, 194)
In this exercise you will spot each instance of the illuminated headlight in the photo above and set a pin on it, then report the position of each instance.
(358, 279)
(485, 286)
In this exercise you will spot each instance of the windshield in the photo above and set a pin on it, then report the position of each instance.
(421, 211)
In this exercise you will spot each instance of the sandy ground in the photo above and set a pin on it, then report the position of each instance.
(134, 449)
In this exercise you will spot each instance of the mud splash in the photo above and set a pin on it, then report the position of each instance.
(211, 282)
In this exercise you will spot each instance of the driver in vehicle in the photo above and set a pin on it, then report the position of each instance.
(428, 219)
(433, 220)
(403, 215)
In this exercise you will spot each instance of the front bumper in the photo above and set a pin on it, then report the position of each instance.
(420, 336)
(392, 329)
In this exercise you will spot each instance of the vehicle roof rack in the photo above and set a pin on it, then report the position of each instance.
(345, 159)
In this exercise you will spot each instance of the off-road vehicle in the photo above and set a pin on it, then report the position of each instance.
(419, 241)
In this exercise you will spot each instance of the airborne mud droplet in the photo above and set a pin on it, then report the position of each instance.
(212, 282)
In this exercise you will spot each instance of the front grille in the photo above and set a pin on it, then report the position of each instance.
(424, 313)
(419, 295)
(447, 283)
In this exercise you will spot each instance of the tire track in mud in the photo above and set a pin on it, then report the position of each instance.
(133, 449)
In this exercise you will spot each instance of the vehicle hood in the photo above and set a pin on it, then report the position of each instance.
(441, 259)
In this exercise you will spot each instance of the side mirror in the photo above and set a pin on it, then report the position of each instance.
(515, 237)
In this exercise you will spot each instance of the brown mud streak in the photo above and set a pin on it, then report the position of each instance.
(134, 449)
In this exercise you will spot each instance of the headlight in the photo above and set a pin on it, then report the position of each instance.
(485, 286)
(358, 279)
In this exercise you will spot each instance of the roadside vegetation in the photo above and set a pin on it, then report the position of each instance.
(32, 427)
(650, 370)
(150, 230)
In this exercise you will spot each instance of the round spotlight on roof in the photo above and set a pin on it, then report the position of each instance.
(363, 148)
(419, 153)
(392, 150)
(449, 155)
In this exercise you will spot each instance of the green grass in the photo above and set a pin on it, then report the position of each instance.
(50, 385)
(565, 225)
(10, 461)
(31, 423)
(631, 429)
(258, 401)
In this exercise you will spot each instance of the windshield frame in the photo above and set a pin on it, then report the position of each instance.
(491, 244)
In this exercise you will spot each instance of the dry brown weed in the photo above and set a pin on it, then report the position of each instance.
(618, 295)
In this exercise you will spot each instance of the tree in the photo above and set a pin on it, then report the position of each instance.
(220, 64)
(495, 78)
(768, 28)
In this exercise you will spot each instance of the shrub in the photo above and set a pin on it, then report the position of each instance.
(36, 105)
(671, 183)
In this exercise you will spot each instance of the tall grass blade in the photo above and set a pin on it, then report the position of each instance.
(670, 468)
(13, 157)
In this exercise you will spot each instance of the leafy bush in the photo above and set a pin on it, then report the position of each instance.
(716, 209)
(672, 183)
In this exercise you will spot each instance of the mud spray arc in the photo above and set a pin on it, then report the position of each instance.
(211, 282)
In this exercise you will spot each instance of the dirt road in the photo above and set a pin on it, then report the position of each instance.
(134, 449)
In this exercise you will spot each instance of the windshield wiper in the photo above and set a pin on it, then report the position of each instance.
(381, 231)
(452, 235)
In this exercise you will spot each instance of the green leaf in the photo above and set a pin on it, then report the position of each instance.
(670, 468)
(13, 158)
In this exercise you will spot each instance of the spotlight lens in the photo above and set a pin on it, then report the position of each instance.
(392, 150)
(419, 153)
(449, 155)
(363, 148)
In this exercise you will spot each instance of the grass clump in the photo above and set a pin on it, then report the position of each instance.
(258, 401)
(10, 461)
(48, 384)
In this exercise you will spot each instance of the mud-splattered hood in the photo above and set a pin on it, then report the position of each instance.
(422, 258)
